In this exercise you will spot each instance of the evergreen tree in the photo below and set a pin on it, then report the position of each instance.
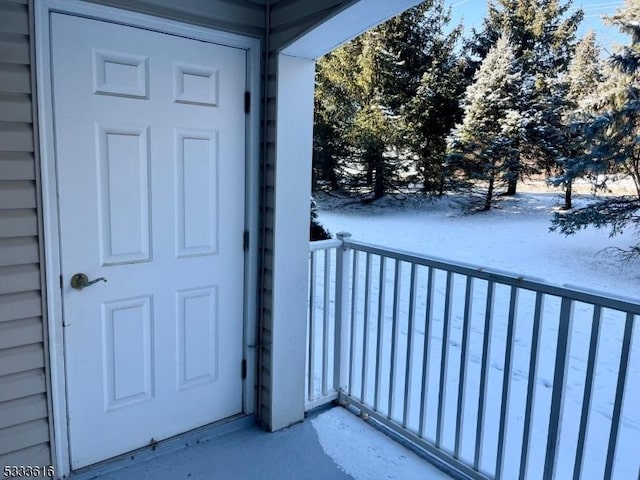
(334, 111)
(614, 133)
(363, 97)
(317, 231)
(374, 127)
(434, 107)
(575, 102)
(485, 144)
(542, 34)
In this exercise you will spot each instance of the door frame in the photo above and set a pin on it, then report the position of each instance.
(50, 217)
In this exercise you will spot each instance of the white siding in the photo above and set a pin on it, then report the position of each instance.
(24, 426)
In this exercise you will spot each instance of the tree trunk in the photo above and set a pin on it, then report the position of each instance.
(370, 169)
(379, 188)
(441, 184)
(567, 196)
(512, 186)
(489, 197)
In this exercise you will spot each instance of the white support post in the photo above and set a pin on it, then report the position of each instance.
(294, 137)
(341, 344)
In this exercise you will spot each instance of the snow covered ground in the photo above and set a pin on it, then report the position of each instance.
(515, 237)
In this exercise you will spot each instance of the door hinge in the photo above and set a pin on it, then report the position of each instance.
(245, 241)
(61, 283)
(244, 368)
(247, 102)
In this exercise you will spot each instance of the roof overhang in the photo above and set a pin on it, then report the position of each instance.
(356, 18)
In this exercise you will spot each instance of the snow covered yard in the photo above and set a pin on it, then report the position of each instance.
(513, 238)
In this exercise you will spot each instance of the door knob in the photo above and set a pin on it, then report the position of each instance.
(80, 281)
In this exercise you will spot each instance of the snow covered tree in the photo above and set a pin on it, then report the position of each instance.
(434, 108)
(485, 144)
(575, 98)
(542, 35)
(362, 89)
(614, 133)
(317, 231)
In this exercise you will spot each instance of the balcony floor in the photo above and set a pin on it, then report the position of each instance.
(241, 450)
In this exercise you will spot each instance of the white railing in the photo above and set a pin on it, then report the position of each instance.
(493, 375)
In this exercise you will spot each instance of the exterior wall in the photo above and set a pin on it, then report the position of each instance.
(287, 21)
(24, 425)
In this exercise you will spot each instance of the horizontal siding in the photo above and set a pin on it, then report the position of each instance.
(18, 223)
(22, 410)
(24, 423)
(14, 18)
(19, 278)
(16, 306)
(15, 107)
(18, 359)
(18, 333)
(35, 455)
(19, 251)
(15, 78)
(16, 137)
(20, 385)
(23, 436)
(14, 48)
(17, 195)
(17, 166)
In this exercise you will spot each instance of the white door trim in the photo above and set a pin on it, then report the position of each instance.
(44, 8)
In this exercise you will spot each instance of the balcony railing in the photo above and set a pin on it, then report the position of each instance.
(492, 375)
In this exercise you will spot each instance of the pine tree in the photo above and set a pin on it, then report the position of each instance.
(575, 102)
(434, 108)
(334, 112)
(485, 144)
(542, 34)
(614, 133)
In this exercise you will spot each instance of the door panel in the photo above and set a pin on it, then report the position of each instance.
(150, 151)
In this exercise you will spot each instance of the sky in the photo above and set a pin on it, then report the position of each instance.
(471, 13)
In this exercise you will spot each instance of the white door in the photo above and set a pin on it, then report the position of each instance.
(150, 149)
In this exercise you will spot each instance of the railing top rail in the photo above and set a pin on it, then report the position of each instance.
(579, 294)
(324, 244)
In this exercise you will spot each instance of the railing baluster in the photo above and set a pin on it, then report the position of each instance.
(394, 336)
(506, 380)
(533, 372)
(341, 326)
(379, 342)
(365, 344)
(312, 315)
(464, 354)
(617, 404)
(562, 360)
(325, 321)
(425, 352)
(486, 344)
(444, 358)
(354, 318)
(409, 360)
(588, 391)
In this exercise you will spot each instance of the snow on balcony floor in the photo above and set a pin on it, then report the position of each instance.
(332, 444)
